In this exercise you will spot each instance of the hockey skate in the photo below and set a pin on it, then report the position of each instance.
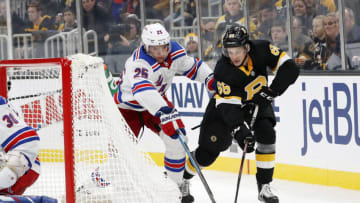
(185, 192)
(266, 195)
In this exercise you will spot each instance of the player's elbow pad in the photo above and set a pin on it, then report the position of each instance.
(285, 76)
(7, 177)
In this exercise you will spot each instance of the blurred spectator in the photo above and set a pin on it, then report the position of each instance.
(37, 21)
(279, 35)
(95, 18)
(319, 38)
(314, 8)
(267, 15)
(300, 11)
(208, 33)
(302, 44)
(179, 16)
(352, 30)
(133, 7)
(69, 3)
(105, 4)
(41, 27)
(18, 24)
(329, 4)
(135, 31)
(191, 42)
(123, 39)
(50, 7)
(116, 8)
(233, 15)
(69, 20)
(331, 25)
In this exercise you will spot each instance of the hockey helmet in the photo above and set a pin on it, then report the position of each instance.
(154, 35)
(235, 36)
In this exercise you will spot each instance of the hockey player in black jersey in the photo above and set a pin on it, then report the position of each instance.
(242, 78)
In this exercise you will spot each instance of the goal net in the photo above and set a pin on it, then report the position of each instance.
(88, 153)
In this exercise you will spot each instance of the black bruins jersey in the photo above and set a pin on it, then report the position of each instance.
(238, 84)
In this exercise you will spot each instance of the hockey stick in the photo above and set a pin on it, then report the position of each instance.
(197, 168)
(253, 118)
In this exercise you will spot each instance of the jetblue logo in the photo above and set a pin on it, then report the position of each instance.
(332, 119)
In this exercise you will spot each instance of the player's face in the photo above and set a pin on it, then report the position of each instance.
(237, 55)
(159, 52)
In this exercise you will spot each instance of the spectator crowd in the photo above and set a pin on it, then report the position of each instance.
(315, 30)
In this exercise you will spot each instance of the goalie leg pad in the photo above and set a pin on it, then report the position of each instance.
(7, 177)
(22, 183)
(18, 163)
(214, 133)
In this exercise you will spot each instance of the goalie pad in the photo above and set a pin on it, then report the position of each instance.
(14, 165)
(7, 177)
(17, 162)
(3, 159)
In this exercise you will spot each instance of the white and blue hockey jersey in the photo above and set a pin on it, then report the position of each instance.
(16, 135)
(144, 81)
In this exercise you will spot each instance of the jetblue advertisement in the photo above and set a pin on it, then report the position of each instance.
(317, 121)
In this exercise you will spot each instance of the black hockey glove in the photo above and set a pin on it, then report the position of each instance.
(264, 97)
(243, 134)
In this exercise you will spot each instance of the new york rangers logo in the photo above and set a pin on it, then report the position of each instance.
(159, 32)
(98, 180)
(159, 81)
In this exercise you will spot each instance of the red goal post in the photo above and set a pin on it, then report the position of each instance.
(88, 153)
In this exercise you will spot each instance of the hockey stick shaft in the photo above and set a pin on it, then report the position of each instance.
(253, 118)
(197, 168)
(240, 171)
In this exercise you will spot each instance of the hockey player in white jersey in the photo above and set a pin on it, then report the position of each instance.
(19, 162)
(148, 73)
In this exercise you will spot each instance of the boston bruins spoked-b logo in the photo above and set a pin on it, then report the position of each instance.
(213, 138)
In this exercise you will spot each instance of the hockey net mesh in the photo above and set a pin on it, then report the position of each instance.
(109, 166)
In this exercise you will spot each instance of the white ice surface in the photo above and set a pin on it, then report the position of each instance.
(223, 186)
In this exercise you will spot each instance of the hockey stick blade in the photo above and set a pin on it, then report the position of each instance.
(197, 168)
(253, 118)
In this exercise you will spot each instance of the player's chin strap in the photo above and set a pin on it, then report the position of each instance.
(246, 56)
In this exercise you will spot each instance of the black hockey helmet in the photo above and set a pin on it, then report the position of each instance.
(235, 36)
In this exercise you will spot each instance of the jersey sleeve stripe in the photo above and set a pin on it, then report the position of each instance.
(37, 161)
(19, 139)
(142, 86)
(282, 58)
(175, 55)
(228, 100)
(14, 135)
(156, 67)
(133, 105)
(192, 72)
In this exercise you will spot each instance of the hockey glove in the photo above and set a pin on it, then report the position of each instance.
(264, 97)
(210, 83)
(243, 134)
(170, 121)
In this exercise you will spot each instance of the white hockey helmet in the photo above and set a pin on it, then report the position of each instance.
(154, 35)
